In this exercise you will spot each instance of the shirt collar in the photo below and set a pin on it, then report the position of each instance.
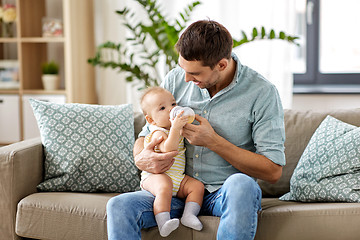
(239, 67)
(236, 75)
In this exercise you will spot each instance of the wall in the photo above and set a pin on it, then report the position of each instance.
(111, 85)
(320, 102)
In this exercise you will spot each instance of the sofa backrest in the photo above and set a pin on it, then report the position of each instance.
(299, 127)
(139, 122)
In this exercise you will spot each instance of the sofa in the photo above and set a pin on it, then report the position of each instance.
(27, 213)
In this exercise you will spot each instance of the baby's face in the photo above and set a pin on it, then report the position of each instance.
(160, 105)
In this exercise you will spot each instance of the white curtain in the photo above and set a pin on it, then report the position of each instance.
(270, 58)
(273, 59)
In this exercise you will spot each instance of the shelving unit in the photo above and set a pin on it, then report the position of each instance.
(30, 49)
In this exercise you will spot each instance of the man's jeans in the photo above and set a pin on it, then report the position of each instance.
(237, 204)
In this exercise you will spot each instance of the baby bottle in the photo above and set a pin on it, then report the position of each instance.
(187, 112)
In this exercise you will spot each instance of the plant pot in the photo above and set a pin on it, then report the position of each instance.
(50, 81)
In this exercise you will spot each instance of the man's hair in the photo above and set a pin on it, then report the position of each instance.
(207, 41)
(146, 92)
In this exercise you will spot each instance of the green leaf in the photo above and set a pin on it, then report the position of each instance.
(282, 35)
(50, 68)
(129, 79)
(122, 12)
(263, 33)
(272, 34)
(254, 33)
(182, 16)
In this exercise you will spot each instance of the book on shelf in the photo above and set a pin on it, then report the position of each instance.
(9, 74)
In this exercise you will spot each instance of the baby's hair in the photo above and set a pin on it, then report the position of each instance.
(146, 92)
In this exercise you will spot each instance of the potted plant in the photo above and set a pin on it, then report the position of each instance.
(50, 75)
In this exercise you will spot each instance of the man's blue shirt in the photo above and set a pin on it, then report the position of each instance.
(247, 113)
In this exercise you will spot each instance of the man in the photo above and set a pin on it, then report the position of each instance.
(239, 137)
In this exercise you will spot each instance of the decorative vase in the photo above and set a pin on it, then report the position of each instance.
(50, 81)
(8, 30)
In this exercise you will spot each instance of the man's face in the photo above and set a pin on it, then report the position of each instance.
(202, 76)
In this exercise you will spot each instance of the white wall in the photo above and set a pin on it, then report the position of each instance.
(320, 102)
(111, 85)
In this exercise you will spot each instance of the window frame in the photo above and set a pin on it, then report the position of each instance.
(313, 81)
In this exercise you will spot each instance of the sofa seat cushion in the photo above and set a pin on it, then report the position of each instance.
(63, 215)
(68, 215)
(283, 220)
(80, 216)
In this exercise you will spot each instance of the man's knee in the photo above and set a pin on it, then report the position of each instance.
(240, 205)
(118, 203)
(240, 185)
(123, 203)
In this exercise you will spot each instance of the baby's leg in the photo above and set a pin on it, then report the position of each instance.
(193, 191)
(160, 185)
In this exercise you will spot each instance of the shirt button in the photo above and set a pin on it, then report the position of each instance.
(197, 155)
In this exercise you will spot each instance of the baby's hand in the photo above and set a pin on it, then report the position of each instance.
(179, 121)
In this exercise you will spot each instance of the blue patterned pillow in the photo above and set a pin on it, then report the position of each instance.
(88, 148)
(329, 168)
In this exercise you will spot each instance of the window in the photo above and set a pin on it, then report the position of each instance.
(329, 57)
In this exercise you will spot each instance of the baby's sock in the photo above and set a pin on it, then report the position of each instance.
(165, 224)
(189, 217)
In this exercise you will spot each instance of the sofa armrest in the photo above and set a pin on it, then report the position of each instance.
(21, 170)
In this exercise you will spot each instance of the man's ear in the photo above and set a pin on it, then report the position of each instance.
(222, 64)
(149, 119)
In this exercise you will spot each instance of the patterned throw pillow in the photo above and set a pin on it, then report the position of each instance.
(88, 148)
(329, 169)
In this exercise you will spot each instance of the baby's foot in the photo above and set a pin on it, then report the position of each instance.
(191, 221)
(169, 226)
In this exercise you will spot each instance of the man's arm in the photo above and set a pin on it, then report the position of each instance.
(250, 163)
(146, 159)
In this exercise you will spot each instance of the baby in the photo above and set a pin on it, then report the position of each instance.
(156, 104)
